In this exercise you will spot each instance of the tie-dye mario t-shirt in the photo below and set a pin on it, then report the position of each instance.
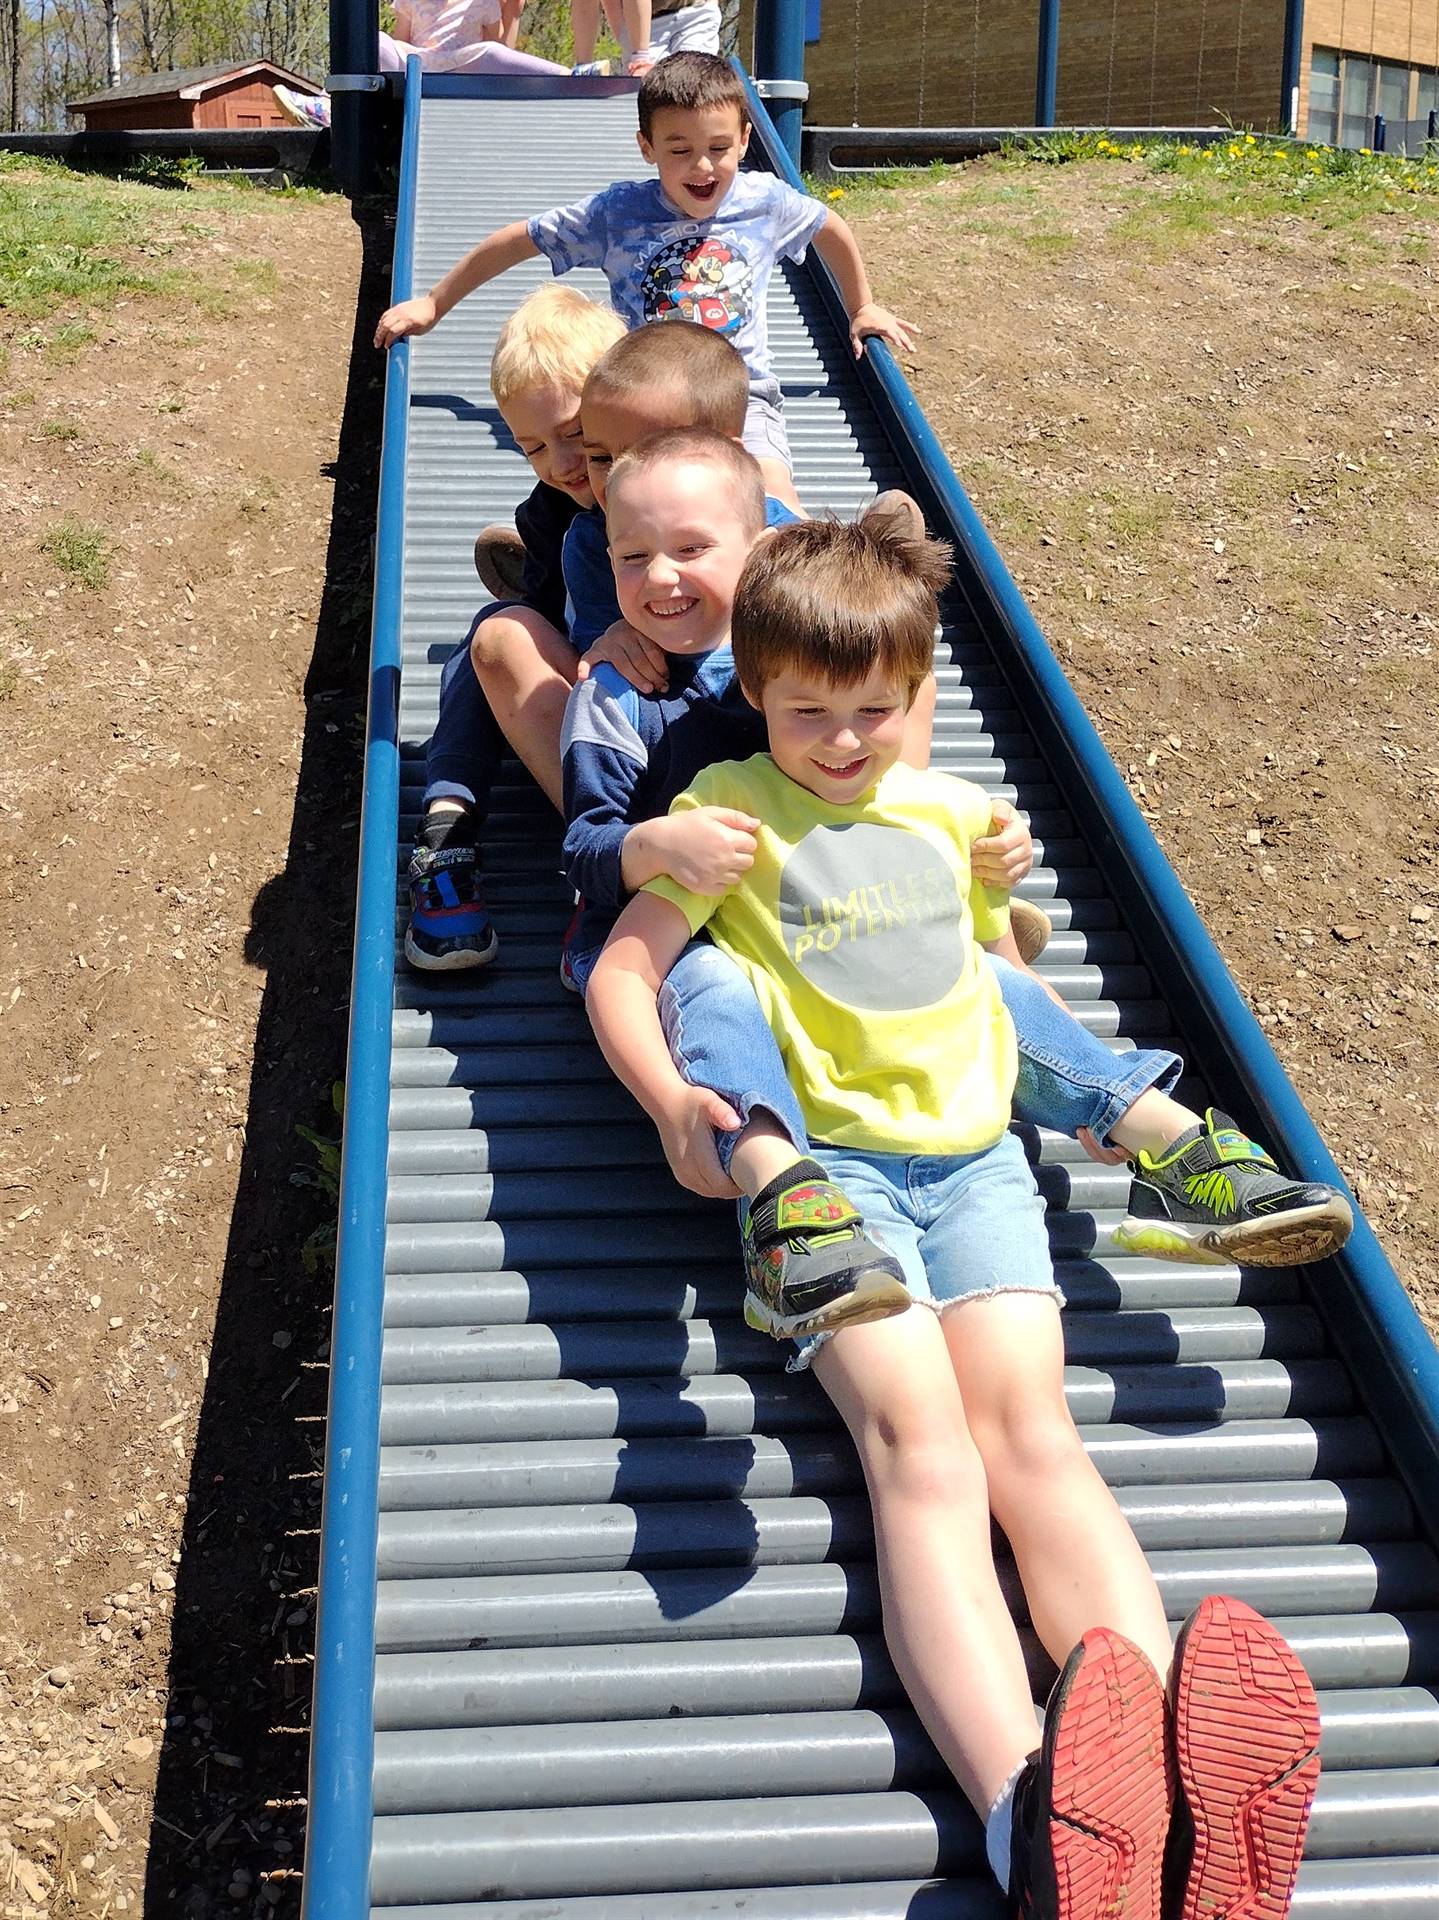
(664, 266)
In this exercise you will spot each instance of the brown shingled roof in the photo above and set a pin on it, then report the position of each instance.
(187, 83)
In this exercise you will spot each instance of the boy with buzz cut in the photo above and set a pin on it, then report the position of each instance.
(698, 243)
(858, 921)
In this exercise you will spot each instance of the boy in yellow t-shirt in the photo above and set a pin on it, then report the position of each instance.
(859, 924)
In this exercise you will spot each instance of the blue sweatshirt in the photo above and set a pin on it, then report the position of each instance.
(626, 754)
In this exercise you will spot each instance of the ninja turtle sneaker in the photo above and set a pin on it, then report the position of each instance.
(449, 927)
(810, 1264)
(1092, 1807)
(1216, 1196)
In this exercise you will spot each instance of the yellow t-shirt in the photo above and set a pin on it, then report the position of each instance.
(859, 928)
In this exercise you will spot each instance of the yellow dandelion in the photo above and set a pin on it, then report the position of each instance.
(835, 193)
(1368, 152)
(1249, 140)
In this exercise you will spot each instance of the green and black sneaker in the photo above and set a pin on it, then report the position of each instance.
(1216, 1196)
(810, 1264)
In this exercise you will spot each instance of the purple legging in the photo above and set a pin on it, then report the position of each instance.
(485, 56)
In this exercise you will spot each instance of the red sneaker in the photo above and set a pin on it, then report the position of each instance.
(1246, 1739)
(1092, 1809)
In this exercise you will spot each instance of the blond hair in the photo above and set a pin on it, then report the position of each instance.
(838, 601)
(700, 372)
(743, 481)
(551, 340)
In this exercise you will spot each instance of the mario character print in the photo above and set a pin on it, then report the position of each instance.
(706, 281)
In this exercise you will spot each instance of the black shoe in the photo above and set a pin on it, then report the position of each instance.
(811, 1266)
(1216, 1196)
(1091, 1809)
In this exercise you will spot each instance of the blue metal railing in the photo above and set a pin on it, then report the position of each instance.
(1372, 1319)
(337, 1843)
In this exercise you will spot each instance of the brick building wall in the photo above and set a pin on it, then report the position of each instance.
(908, 63)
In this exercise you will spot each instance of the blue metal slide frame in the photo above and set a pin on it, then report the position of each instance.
(1373, 1321)
(337, 1843)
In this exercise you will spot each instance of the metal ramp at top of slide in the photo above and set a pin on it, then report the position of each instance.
(607, 1645)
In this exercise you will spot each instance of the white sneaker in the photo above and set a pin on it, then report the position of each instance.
(305, 109)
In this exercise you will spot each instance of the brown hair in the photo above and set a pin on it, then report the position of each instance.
(704, 374)
(744, 484)
(838, 600)
(689, 81)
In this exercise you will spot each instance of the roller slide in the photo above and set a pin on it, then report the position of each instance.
(599, 1635)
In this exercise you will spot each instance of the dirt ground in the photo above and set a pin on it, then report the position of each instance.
(173, 968)
(1213, 478)
(1211, 466)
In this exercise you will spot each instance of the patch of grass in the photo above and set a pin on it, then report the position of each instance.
(170, 405)
(166, 169)
(9, 678)
(258, 276)
(68, 341)
(165, 476)
(80, 550)
(59, 430)
(1049, 244)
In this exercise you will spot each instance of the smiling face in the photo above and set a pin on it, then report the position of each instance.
(546, 424)
(615, 422)
(697, 151)
(836, 742)
(678, 548)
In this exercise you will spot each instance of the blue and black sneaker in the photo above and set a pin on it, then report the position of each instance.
(449, 926)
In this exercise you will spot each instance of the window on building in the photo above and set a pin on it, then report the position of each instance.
(1393, 93)
(1324, 97)
(1356, 121)
(1427, 100)
(1347, 90)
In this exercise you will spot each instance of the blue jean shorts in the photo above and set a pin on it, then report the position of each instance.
(962, 1226)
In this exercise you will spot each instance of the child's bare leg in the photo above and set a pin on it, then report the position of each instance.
(1080, 1563)
(585, 25)
(527, 669)
(779, 483)
(761, 1154)
(637, 19)
(945, 1619)
(1153, 1123)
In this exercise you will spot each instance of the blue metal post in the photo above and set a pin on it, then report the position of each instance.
(779, 67)
(1381, 133)
(354, 49)
(1046, 82)
(1289, 77)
